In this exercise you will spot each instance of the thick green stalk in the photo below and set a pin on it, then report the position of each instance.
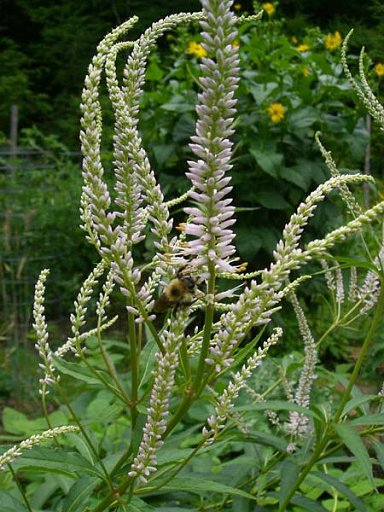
(208, 323)
(134, 367)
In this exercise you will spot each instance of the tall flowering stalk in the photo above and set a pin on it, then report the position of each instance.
(210, 222)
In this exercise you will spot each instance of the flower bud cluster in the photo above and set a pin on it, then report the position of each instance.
(362, 88)
(225, 402)
(298, 423)
(16, 451)
(78, 318)
(41, 330)
(164, 374)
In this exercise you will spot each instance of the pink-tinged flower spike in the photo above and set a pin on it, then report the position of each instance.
(95, 202)
(211, 219)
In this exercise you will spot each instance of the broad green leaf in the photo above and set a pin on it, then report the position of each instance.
(147, 359)
(171, 455)
(357, 402)
(297, 175)
(379, 449)
(288, 475)
(277, 405)
(76, 370)
(17, 422)
(178, 104)
(353, 262)
(79, 494)
(357, 142)
(303, 118)
(10, 504)
(269, 161)
(154, 72)
(197, 485)
(303, 502)
(100, 409)
(44, 491)
(272, 200)
(249, 242)
(49, 460)
(369, 419)
(82, 447)
(353, 442)
(308, 504)
(184, 128)
(342, 488)
(261, 91)
(173, 509)
(138, 505)
(137, 433)
(163, 153)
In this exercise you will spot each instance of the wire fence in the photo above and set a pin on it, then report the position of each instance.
(29, 242)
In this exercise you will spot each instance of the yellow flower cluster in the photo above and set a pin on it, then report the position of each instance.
(332, 41)
(302, 48)
(268, 8)
(196, 49)
(276, 112)
(379, 69)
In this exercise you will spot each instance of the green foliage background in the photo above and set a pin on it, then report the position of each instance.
(46, 47)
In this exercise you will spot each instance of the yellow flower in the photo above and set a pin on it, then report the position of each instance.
(379, 68)
(196, 49)
(332, 41)
(268, 8)
(305, 72)
(302, 48)
(237, 7)
(276, 112)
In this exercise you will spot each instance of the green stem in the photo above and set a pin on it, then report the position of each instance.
(20, 487)
(184, 359)
(134, 367)
(117, 493)
(208, 323)
(112, 371)
(45, 411)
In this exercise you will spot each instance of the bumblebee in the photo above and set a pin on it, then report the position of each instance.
(180, 291)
